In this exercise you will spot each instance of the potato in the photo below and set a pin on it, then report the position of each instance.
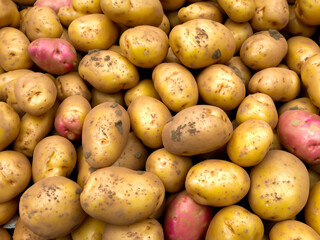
(250, 142)
(90, 229)
(169, 5)
(57, 197)
(71, 84)
(314, 177)
(87, 7)
(279, 186)
(240, 69)
(201, 42)
(173, 18)
(171, 57)
(279, 83)
(9, 125)
(104, 134)
(35, 92)
(100, 97)
(148, 116)
(92, 31)
(145, 87)
(67, 14)
(145, 46)
(134, 154)
(83, 168)
(276, 145)
(134, 12)
(270, 15)
(8, 210)
(197, 10)
(165, 25)
(13, 45)
(220, 86)
(10, 16)
(308, 11)
(257, 106)
(53, 156)
(21, 232)
(176, 86)
(4, 234)
(15, 172)
(311, 210)
(10, 97)
(170, 168)
(122, 196)
(108, 71)
(238, 11)
(292, 229)
(235, 222)
(217, 183)
(303, 103)
(300, 49)
(264, 49)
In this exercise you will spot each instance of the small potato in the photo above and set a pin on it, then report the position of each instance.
(240, 69)
(10, 16)
(92, 31)
(220, 86)
(90, 229)
(145, 229)
(257, 106)
(279, 83)
(279, 186)
(201, 42)
(238, 11)
(67, 14)
(105, 134)
(100, 97)
(9, 125)
(15, 172)
(57, 197)
(165, 24)
(170, 168)
(71, 84)
(145, 46)
(176, 86)
(263, 49)
(134, 12)
(171, 57)
(197, 10)
(8, 210)
(53, 156)
(311, 210)
(302, 103)
(4, 234)
(122, 196)
(250, 142)
(217, 183)
(308, 11)
(145, 87)
(270, 15)
(13, 45)
(134, 154)
(235, 222)
(276, 145)
(86, 6)
(35, 92)
(148, 116)
(170, 5)
(42, 22)
(21, 232)
(84, 169)
(108, 71)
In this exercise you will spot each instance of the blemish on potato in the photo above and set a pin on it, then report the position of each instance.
(274, 34)
(118, 125)
(87, 155)
(216, 54)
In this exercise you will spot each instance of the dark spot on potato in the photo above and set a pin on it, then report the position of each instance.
(87, 155)
(170, 119)
(140, 172)
(91, 169)
(118, 112)
(138, 155)
(107, 58)
(78, 190)
(238, 73)
(119, 126)
(216, 54)
(201, 33)
(114, 105)
(274, 34)
(93, 51)
(176, 135)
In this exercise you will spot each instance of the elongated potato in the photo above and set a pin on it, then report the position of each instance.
(238, 11)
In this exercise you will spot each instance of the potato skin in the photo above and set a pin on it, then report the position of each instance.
(311, 210)
(197, 129)
(90, 229)
(104, 134)
(279, 186)
(303, 103)
(101, 97)
(122, 196)
(240, 69)
(308, 11)
(217, 183)
(21, 232)
(238, 11)
(8, 210)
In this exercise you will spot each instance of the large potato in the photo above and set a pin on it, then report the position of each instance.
(86, 6)
(170, 5)
(308, 11)
(238, 11)
(197, 129)
(122, 196)
(51, 207)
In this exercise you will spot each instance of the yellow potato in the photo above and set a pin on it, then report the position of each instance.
(10, 16)
(122, 196)
(170, 5)
(21, 232)
(279, 186)
(240, 69)
(173, 18)
(311, 210)
(276, 145)
(10, 97)
(100, 97)
(308, 11)
(4, 234)
(90, 229)
(86, 6)
(303, 103)
(176, 86)
(217, 183)
(171, 57)
(239, 11)
(201, 42)
(8, 210)
(148, 116)
(314, 178)
(165, 24)
(84, 169)
(67, 14)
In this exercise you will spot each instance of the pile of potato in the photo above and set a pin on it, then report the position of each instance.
(159, 119)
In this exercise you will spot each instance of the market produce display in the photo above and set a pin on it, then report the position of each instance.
(159, 120)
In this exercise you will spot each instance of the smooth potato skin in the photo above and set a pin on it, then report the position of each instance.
(238, 11)
(240, 69)
(121, 196)
(101, 97)
(4, 234)
(84, 169)
(21, 232)
(8, 210)
(311, 210)
(303, 103)
(90, 229)
(67, 14)
(308, 11)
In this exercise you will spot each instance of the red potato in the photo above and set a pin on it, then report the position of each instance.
(185, 219)
(54, 4)
(299, 133)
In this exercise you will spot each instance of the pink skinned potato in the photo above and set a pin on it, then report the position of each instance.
(299, 133)
(53, 4)
(185, 219)
(53, 55)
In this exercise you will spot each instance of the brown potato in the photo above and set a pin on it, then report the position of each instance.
(100, 97)
(4, 234)
(21, 232)
(10, 16)
(8, 210)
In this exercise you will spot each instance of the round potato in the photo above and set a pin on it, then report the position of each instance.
(91, 228)
(148, 116)
(122, 196)
(108, 71)
(303, 103)
(92, 31)
(86, 6)
(145, 46)
(10, 16)
(176, 86)
(220, 86)
(279, 186)
(21, 232)
(170, 5)
(57, 197)
(217, 183)
(238, 11)
(308, 11)
(201, 42)
(4, 234)
(105, 134)
(8, 210)
(67, 14)
(101, 97)
(240, 69)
